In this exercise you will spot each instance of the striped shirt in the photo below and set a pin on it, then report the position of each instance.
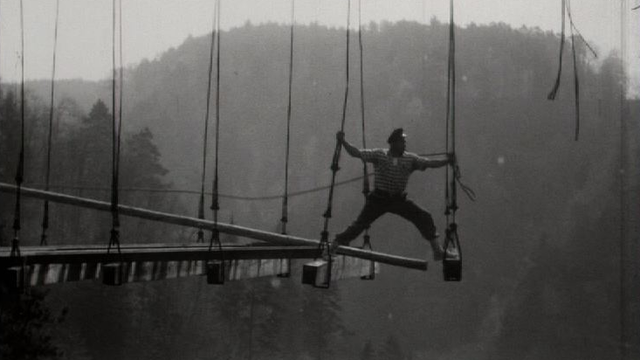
(392, 173)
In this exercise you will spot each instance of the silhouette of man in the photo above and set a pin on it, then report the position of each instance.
(392, 168)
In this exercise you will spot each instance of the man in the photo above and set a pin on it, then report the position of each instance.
(392, 168)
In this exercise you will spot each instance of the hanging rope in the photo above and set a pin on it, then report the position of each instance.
(15, 244)
(116, 135)
(324, 237)
(336, 154)
(45, 216)
(566, 8)
(451, 191)
(206, 126)
(215, 203)
(556, 85)
(366, 187)
(285, 199)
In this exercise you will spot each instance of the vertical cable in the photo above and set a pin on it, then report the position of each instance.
(450, 175)
(285, 198)
(622, 173)
(115, 216)
(556, 85)
(206, 125)
(324, 239)
(366, 187)
(45, 217)
(336, 154)
(15, 244)
(215, 203)
(120, 92)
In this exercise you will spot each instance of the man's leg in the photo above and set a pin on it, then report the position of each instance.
(372, 210)
(423, 221)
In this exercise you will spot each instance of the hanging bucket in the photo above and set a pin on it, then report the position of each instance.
(215, 272)
(452, 264)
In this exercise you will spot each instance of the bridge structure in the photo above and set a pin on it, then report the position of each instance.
(270, 255)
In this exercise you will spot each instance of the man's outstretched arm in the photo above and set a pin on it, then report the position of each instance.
(424, 163)
(351, 150)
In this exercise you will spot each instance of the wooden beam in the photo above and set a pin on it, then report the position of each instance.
(342, 267)
(73, 254)
(410, 263)
(135, 271)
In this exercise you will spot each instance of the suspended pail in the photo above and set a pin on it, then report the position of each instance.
(112, 274)
(215, 272)
(452, 265)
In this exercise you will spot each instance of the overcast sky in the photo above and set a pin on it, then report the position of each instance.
(153, 26)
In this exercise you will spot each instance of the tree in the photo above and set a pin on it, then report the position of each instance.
(25, 327)
(391, 350)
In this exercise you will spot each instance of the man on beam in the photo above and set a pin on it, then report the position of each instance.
(392, 168)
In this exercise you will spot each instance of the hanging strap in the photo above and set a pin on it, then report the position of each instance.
(15, 243)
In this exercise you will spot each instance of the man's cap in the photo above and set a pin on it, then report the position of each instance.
(396, 135)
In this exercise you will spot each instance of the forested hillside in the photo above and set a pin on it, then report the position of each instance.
(542, 258)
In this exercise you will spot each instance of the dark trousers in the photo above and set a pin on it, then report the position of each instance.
(379, 203)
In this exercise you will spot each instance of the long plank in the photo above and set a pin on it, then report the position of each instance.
(281, 239)
(73, 254)
(138, 271)
(342, 267)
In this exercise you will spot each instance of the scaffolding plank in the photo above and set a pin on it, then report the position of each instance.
(231, 229)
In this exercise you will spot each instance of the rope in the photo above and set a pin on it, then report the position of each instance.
(336, 154)
(566, 8)
(576, 82)
(115, 141)
(556, 85)
(324, 237)
(285, 198)
(451, 189)
(45, 216)
(366, 186)
(206, 127)
(215, 203)
(15, 244)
